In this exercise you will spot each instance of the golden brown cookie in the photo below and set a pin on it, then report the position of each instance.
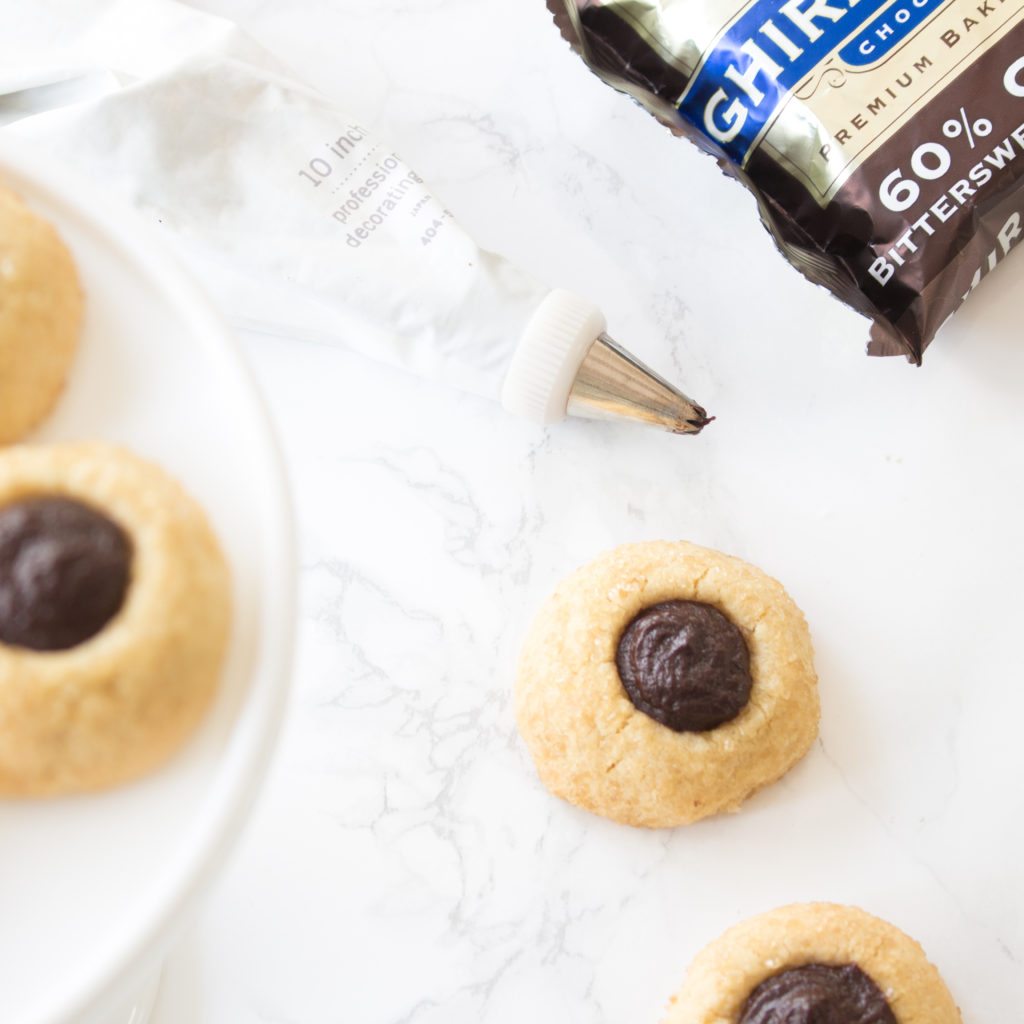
(114, 617)
(693, 736)
(40, 317)
(813, 962)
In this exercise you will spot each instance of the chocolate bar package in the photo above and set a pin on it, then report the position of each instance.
(883, 139)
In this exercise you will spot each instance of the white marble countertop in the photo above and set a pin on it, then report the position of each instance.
(404, 864)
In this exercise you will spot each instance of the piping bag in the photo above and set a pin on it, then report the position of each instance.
(199, 127)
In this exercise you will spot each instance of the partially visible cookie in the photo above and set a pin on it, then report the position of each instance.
(115, 611)
(665, 682)
(40, 317)
(813, 963)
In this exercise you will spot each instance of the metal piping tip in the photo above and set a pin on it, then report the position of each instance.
(565, 365)
(612, 384)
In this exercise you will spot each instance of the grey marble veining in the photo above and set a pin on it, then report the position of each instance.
(404, 864)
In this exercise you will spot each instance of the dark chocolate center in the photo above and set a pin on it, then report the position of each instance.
(64, 571)
(686, 665)
(818, 994)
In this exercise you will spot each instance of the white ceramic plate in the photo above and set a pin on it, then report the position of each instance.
(92, 888)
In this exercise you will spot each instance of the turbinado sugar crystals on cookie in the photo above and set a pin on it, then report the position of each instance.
(883, 139)
(813, 963)
(40, 317)
(115, 616)
(665, 682)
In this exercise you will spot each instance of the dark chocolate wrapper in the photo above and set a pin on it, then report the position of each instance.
(883, 139)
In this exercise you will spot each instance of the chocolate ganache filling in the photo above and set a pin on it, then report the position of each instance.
(64, 572)
(686, 665)
(818, 994)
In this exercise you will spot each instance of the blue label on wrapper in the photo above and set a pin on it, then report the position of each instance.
(761, 56)
(887, 31)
